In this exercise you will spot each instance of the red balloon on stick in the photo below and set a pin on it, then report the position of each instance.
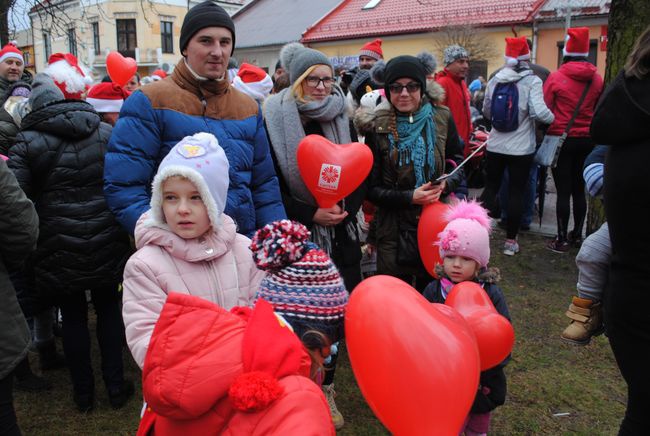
(432, 222)
(331, 171)
(416, 363)
(494, 334)
(119, 68)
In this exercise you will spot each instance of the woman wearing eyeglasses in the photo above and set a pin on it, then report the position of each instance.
(315, 104)
(414, 141)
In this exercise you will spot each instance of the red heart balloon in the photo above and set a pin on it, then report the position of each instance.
(331, 171)
(416, 363)
(119, 68)
(432, 222)
(468, 296)
(494, 334)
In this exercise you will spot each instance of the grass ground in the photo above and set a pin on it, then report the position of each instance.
(545, 376)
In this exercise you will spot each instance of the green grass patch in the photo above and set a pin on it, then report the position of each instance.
(545, 376)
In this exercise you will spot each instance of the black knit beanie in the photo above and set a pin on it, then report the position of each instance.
(405, 66)
(206, 14)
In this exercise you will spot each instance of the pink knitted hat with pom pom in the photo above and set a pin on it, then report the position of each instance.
(467, 234)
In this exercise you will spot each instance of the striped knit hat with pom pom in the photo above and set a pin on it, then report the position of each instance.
(302, 284)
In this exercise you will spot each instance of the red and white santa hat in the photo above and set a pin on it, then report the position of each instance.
(253, 81)
(372, 49)
(516, 50)
(159, 73)
(107, 97)
(11, 51)
(576, 42)
(68, 74)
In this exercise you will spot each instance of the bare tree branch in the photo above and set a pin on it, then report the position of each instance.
(468, 37)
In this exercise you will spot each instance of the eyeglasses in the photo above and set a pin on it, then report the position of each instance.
(313, 81)
(397, 88)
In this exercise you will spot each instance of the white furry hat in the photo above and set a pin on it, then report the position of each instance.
(69, 75)
(201, 160)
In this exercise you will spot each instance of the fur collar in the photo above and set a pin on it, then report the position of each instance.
(490, 275)
(364, 118)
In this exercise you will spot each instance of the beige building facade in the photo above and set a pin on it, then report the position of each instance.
(146, 30)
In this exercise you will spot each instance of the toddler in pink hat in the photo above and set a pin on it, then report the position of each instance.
(465, 252)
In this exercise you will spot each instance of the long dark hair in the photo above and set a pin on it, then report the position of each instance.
(638, 62)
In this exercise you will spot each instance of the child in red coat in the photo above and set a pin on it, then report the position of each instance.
(250, 371)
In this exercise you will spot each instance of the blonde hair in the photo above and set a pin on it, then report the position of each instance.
(296, 88)
(638, 62)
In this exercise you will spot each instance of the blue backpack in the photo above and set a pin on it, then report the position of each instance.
(505, 107)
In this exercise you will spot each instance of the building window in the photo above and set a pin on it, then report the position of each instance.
(27, 58)
(593, 52)
(47, 45)
(72, 42)
(477, 68)
(167, 36)
(127, 40)
(96, 38)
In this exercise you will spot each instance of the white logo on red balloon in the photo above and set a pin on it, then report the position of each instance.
(330, 175)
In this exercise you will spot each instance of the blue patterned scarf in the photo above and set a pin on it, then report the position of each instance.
(412, 147)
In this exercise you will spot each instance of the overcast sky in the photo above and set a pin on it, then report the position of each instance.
(18, 19)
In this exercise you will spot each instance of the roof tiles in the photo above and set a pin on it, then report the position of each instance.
(349, 20)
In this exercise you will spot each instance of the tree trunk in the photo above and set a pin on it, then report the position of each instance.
(627, 19)
(4, 21)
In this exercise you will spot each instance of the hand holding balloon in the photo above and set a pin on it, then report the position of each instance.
(330, 216)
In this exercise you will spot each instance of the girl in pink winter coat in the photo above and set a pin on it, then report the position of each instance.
(185, 242)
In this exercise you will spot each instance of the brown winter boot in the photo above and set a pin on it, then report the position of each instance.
(586, 321)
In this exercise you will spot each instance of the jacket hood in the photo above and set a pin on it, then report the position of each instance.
(210, 246)
(364, 118)
(66, 118)
(579, 70)
(507, 74)
(201, 354)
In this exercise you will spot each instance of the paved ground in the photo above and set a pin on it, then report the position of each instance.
(548, 225)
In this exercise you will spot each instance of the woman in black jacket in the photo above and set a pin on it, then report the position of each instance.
(58, 160)
(414, 141)
(314, 104)
(621, 120)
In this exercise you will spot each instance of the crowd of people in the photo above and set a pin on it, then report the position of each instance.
(174, 203)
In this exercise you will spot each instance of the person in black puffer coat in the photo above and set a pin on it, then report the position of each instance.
(621, 120)
(58, 160)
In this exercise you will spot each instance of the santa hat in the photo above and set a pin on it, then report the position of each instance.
(372, 49)
(577, 42)
(253, 81)
(107, 97)
(516, 50)
(68, 74)
(11, 51)
(467, 234)
(159, 73)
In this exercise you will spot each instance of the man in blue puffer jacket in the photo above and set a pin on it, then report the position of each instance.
(196, 97)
